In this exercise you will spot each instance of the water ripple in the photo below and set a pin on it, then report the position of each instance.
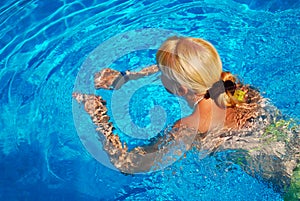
(44, 44)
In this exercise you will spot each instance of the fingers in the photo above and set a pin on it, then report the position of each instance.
(106, 78)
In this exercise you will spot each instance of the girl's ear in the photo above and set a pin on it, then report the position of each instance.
(182, 91)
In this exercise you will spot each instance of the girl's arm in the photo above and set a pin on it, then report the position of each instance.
(113, 79)
(165, 151)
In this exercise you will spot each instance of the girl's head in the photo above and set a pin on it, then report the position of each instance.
(192, 63)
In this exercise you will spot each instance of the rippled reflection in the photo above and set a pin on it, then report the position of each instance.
(43, 45)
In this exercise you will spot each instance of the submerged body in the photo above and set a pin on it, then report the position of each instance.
(265, 143)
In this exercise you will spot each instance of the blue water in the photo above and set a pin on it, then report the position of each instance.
(43, 48)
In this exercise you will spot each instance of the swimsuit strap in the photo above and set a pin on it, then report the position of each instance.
(198, 101)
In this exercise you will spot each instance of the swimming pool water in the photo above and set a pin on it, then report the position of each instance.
(43, 47)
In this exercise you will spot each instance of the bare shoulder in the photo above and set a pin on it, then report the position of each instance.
(192, 123)
(186, 122)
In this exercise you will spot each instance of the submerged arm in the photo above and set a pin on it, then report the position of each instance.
(113, 79)
(141, 159)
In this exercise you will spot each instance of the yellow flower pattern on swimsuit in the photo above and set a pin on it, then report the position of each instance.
(239, 95)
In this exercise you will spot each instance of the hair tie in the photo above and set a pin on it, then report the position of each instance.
(230, 86)
(219, 88)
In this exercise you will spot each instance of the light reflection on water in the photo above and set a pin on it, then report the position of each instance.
(42, 48)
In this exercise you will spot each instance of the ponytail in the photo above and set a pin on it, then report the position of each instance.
(225, 92)
(232, 95)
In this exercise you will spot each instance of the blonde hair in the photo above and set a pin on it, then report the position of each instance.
(193, 63)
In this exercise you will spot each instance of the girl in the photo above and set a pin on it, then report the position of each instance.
(226, 115)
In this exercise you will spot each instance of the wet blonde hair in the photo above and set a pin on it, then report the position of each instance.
(193, 63)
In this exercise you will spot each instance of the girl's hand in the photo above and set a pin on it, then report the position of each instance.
(107, 78)
(113, 79)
